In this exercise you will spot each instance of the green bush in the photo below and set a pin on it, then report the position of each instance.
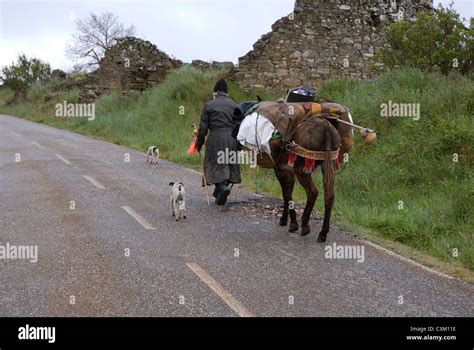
(437, 40)
(71, 96)
(37, 93)
(6, 96)
(24, 72)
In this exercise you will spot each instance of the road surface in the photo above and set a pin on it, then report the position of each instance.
(120, 253)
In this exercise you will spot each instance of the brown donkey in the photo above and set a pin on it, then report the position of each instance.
(312, 141)
(317, 135)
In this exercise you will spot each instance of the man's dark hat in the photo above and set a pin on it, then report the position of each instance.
(221, 86)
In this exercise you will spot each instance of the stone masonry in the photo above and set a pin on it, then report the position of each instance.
(320, 40)
(132, 64)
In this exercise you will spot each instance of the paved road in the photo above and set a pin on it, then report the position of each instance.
(215, 263)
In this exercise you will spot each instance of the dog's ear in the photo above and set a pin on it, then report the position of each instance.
(181, 183)
(171, 183)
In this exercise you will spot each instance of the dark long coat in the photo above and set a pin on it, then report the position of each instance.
(216, 117)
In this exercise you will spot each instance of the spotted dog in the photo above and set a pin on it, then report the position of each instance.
(178, 200)
(152, 154)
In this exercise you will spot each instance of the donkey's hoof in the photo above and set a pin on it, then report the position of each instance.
(322, 237)
(283, 222)
(305, 230)
(293, 227)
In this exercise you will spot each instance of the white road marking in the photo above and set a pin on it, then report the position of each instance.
(233, 303)
(409, 261)
(139, 218)
(15, 133)
(63, 159)
(94, 182)
(37, 144)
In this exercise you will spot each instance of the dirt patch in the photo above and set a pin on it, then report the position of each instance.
(264, 208)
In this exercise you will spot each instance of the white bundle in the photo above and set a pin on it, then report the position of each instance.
(255, 133)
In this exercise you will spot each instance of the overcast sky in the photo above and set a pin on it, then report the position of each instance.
(220, 30)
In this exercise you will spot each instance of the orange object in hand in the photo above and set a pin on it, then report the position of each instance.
(192, 148)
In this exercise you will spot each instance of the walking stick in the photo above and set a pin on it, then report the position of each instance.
(204, 178)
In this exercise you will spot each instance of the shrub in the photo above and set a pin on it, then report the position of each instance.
(6, 96)
(435, 40)
(25, 72)
(37, 93)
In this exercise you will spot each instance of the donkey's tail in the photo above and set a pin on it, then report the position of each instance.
(328, 165)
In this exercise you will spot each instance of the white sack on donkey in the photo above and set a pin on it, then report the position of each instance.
(255, 133)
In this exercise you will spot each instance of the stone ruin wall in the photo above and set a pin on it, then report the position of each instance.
(322, 39)
(132, 64)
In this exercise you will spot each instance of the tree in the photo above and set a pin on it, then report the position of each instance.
(22, 74)
(435, 40)
(95, 34)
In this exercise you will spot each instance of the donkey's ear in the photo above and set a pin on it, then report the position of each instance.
(171, 183)
(259, 99)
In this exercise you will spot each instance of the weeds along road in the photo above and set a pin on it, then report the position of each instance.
(120, 253)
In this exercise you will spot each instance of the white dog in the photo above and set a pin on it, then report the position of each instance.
(178, 200)
(152, 154)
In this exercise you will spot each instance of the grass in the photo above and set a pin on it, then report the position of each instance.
(405, 188)
(412, 163)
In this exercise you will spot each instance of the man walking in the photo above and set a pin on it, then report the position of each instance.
(217, 118)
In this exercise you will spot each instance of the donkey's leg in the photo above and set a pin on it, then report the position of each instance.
(282, 180)
(293, 221)
(328, 183)
(311, 194)
(287, 183)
